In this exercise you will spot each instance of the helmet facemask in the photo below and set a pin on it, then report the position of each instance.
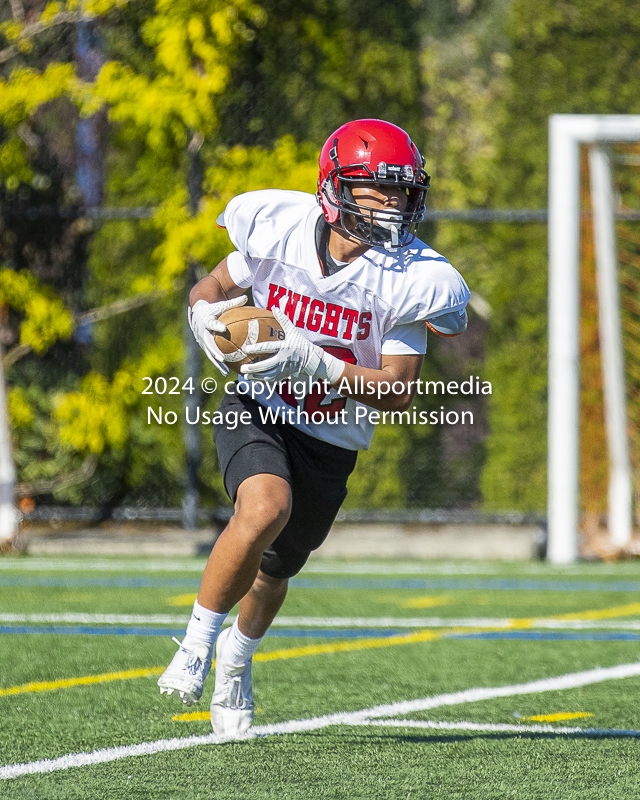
(378, 227)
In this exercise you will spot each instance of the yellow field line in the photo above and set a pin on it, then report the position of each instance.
(275, 655)
(325, 649)
(87, 680)
(546, 717)
(605, 613)
(192, 716)
(344, 647)
(600, 613)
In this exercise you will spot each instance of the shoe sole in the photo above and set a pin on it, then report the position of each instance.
(188, 698)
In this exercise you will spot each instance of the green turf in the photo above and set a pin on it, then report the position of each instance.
(336, 762)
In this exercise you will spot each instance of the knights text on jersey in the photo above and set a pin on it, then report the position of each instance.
(348, 313)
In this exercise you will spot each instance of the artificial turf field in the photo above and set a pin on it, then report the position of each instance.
(552, 652)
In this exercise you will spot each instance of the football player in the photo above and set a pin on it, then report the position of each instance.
(354, 291)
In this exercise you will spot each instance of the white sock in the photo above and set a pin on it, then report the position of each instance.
(204, 625)
(239, 648)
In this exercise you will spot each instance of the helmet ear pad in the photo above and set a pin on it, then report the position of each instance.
(329, 202)
(416, 199)
(350, 222)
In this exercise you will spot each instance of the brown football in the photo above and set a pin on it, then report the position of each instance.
(246, 325)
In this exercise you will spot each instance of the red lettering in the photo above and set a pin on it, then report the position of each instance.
(286, 393)
(292, 302)
(316, 399)
(305, 302)
(315, 315)
(351, 315)
(331, 321)
(275, 293)
(364, 325)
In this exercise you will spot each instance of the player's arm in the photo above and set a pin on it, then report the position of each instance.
(390, 388)
(297, 357)
(209, 298)
(393, 386)
(217, 286)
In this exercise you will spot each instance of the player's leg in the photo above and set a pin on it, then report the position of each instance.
(319, 476)
(259, 606)
(232, 706)
(262, 508)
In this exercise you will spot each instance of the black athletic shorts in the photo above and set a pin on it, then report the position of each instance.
(316, 471)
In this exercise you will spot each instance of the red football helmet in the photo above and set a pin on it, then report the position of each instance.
(377, 152)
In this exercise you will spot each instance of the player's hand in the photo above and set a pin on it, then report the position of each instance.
(204, 322)
(292, 357)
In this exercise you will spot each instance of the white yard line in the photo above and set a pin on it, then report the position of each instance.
(330, 622)
(106, 619)
(402, 568)
(458, 622)
(311, 622)
(585, 624)
(495, 727)
(37, 563)
(319, 566)
(366, 716)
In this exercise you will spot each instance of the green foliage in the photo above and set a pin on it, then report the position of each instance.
(20, 410)
(21, 95)
(464, 63)
(379, 480)
(37, 450)
(155, 254)
(156, 109)
(248, 83)
(313, 65)
(46, 318)
(562, 62)
(274, 74)
(241, 169)
(492, 80)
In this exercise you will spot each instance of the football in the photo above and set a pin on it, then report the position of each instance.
(246, 325)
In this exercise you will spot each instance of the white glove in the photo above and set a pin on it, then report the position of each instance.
(203, 319)
(293, 357)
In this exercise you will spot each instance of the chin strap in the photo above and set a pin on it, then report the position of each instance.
(395, 241)
(391, 221)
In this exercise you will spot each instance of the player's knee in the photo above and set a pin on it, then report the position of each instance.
(264, 585)
(263, 507)
(268, 514)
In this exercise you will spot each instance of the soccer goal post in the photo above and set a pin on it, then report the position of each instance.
(567, 132)
(7, 471)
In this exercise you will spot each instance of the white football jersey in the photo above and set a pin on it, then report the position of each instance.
(375, 305)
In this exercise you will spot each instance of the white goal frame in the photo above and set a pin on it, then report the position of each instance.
(566, 133)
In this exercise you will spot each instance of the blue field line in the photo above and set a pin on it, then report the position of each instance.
(105, 583)
(553, 636)
(277, 633)
(499, 584)
(327, 633)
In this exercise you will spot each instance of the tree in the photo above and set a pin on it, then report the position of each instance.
(579, 57)
(160, 103)
(171, 78)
